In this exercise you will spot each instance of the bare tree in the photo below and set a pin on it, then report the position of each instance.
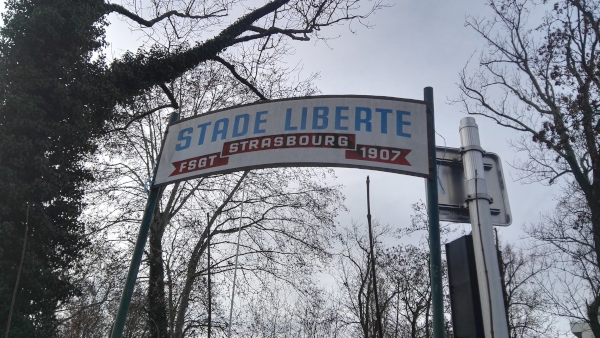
(355, 279)
(287, 220)
(403, 279)
(563, 249)
(525, 293)
(541, 78)
(280, 311)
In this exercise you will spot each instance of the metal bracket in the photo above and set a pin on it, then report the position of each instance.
(480, 195)
(472, 147)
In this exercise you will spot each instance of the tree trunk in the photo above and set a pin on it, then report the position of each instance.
(593, 308)
(502, 266)
(157, 308)
(413, 324)
(192, 267)
(187, 289)
(397, 310)
(429, 300)
(503, 282)
(592, 312)
(158, 323)
(427, 315)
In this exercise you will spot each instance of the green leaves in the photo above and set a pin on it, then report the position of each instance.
(47, 122)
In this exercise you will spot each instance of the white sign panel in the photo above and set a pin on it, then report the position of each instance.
(451, 188)
(379, 133)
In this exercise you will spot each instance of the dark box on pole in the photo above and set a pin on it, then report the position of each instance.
(467, 320)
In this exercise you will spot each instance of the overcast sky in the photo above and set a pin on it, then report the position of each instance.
(414, 44)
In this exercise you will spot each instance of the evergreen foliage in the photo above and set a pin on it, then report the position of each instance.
(49, 113)
(58, 96)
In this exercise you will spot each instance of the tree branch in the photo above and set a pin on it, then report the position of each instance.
(274, 30)
(239, 77)
(149, 23)
(169, 94)
(140, 116)
(130, 74)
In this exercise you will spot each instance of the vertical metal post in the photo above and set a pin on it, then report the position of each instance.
(433, 211)
(379, 327)
(237, 254)
(16, 289)
(208, 268)
(136, 259)
(488, 271)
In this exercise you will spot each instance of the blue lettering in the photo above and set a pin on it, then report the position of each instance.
(400, 123)
(202, 131)
(236, 125)
(303, 120)
(320, 116)
(220, 128)
(258, 121)
(288, 120)
(358, 119)
(384, 116)
(339, 117)
(187, 139)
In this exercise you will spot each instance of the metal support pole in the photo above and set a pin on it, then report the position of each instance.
(136, 259)
(488, 271)
(433, 211)
(379, 328)
(16, 289)
(208, 272)
(237, 254)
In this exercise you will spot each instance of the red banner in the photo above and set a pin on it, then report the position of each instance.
(300, 140)
(199, 163)
(379, 154)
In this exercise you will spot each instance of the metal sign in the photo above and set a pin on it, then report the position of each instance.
(379, 133)
(451, 188)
